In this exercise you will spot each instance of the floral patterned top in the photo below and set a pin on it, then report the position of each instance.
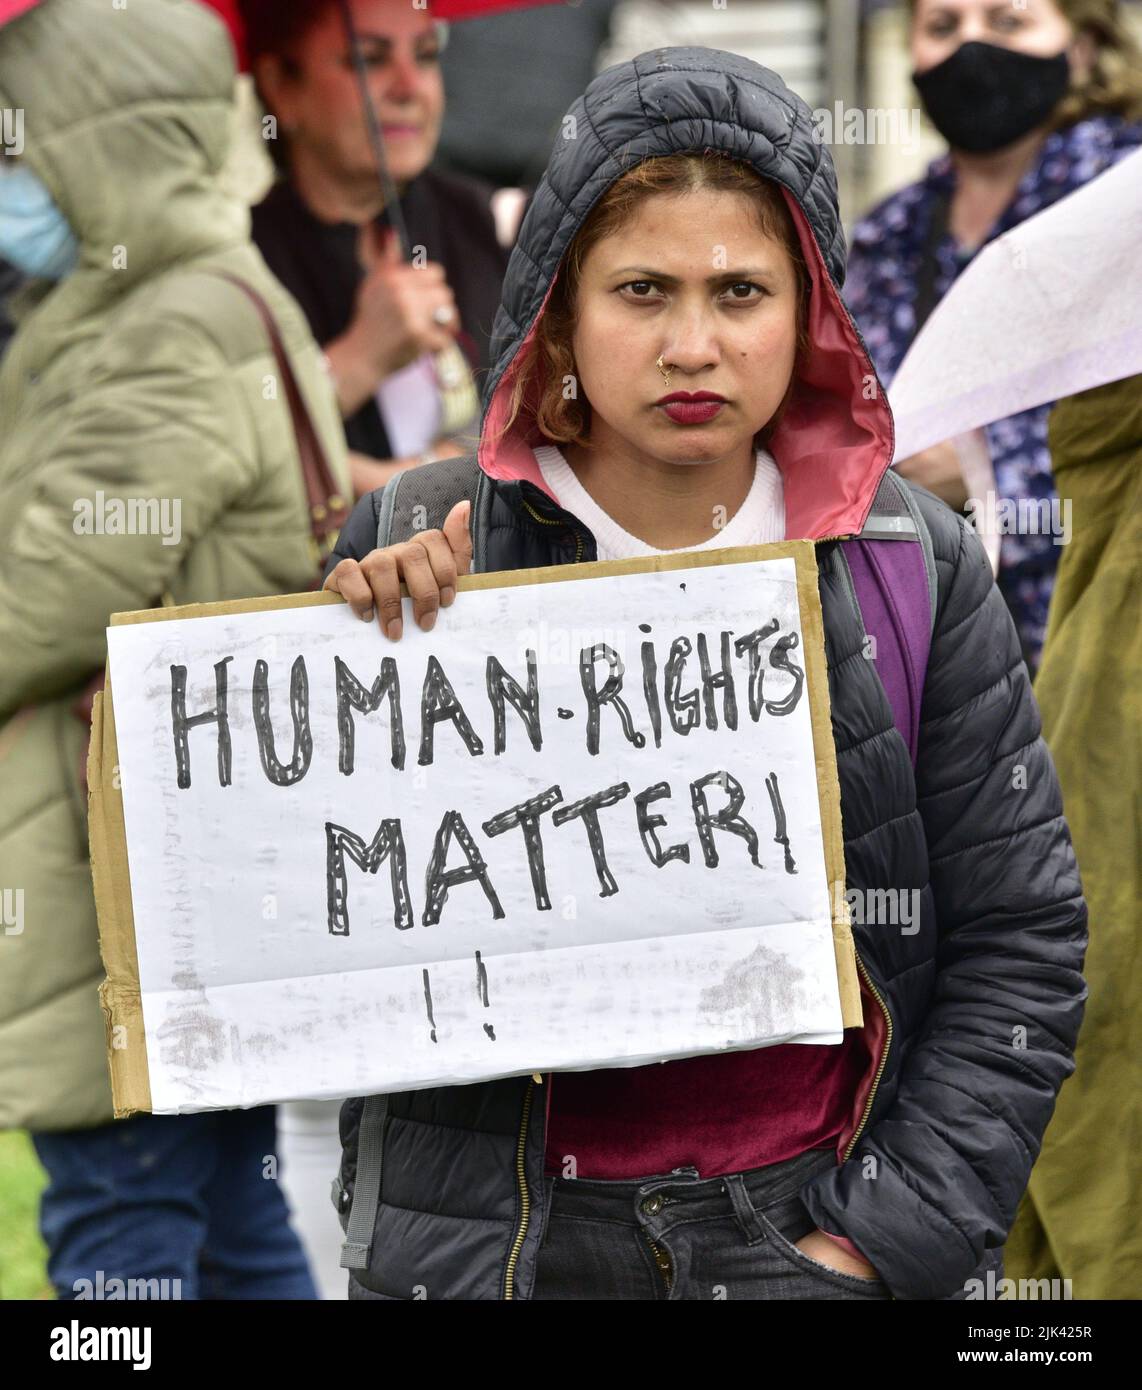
(888, 247)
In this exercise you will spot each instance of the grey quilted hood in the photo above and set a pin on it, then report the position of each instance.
(835, 440)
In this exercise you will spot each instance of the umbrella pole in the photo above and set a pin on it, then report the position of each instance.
(376, 138)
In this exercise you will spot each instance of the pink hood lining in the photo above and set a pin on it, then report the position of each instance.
(833, 445)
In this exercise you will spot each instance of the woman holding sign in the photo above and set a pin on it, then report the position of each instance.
(676, 371)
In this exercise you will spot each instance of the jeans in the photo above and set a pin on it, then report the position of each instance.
(170, 1197)
(679, 1236)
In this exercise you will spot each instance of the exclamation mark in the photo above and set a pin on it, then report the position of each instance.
(428, 1005)
(782, 835)
(482, 991)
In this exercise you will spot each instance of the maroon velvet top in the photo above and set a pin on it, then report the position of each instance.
(720, 1114)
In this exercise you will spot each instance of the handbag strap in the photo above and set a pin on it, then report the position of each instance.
(328, 509)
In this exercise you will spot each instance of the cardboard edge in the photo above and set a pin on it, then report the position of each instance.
(495, 579)
(119, 994)
(828, 782)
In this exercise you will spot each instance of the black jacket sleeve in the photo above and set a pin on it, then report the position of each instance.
(359, 534)
(936, 1181)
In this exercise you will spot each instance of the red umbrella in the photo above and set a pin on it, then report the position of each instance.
(228, 9)
(12, 9)
(442, 9)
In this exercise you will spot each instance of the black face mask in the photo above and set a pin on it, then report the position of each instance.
(984, 97)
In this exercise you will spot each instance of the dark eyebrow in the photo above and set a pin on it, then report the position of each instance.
(742, 273)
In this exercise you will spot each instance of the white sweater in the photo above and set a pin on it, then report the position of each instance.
(759, 520)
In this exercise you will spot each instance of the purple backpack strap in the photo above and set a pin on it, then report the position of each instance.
(894, 578)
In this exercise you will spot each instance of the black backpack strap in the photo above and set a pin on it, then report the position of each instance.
(419, 499)
(896, 517)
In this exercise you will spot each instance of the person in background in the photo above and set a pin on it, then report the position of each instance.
(136, 376)
(1081, 1218)
(323, 229)
(1034, 100)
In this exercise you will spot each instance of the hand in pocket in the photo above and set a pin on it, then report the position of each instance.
(822, 1248)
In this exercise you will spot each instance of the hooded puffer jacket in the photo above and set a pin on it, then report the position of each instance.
(971, 1018)
(143, 377)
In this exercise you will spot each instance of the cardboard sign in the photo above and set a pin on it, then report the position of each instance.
(591, 819)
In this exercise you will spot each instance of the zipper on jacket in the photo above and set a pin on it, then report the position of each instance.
(548, 521)
(883, 1055)
(524, 1195)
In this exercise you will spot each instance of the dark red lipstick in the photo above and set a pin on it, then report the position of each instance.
(691, 407)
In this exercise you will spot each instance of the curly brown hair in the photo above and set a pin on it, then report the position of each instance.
(562, 413)
(1114, 84)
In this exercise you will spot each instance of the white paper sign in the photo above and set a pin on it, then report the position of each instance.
(332, 892)
(1050, 308)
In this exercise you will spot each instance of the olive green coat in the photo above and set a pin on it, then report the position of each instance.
(1082, 1216)
(139, 376)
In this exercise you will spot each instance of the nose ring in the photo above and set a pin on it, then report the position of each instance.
(662, 367)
